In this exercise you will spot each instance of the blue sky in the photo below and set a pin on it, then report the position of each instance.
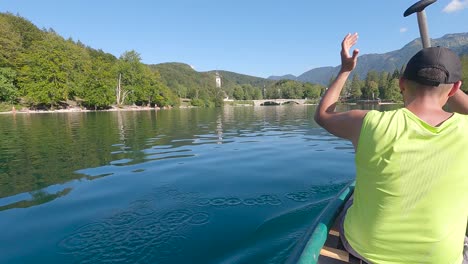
(255, 37)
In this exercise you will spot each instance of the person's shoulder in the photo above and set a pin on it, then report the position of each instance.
(465, 116)
(377, 113)
(461, 118)
(375, 118)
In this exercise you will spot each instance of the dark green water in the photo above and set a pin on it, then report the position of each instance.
(232, 185)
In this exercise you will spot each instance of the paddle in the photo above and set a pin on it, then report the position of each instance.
(422, 22)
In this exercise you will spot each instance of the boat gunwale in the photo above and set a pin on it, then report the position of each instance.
(307, 250)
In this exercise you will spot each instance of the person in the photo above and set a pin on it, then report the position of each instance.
(410, 202)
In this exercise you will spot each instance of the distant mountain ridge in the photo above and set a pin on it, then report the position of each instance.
(389, 61)
(284, 77)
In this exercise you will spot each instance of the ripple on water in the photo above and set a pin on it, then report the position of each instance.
(144, 233)
(138, 234)
(224, 202)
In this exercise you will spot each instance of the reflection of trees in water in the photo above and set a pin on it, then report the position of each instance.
(38, 197)
(40, 150)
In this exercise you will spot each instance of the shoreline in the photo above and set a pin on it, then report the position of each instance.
(80, 110)
(129, 108)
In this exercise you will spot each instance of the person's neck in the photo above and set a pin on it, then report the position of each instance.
(427, 108)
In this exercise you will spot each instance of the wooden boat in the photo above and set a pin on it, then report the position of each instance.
(321, 243)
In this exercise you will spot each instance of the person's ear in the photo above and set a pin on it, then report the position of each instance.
(455, 88)
(401, 83)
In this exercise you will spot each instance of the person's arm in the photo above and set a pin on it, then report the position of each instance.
(459, 102)
(341, 124)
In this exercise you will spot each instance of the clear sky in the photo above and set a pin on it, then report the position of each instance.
(254, 37)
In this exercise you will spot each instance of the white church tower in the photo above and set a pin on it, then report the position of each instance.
(218, 80)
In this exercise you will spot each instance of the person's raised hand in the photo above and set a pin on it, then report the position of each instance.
(348, 62)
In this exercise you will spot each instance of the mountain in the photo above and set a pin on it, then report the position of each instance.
(284, 77)
(389, 61)
(320, 75)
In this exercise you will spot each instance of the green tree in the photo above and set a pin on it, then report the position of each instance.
(154, 91)
(28, 32)
(130, 71)
(371, 85)
(142, 85)
(356, 85)
(393, 91)
(371, 90)
(79, 67)
(248, 91)
(10, 43)
(257, 94)
(238, 93)
(8, 91)
(287, 89)
(383, 84)
(47, 73)
(312, 91)
(99, 87)
(272, 92)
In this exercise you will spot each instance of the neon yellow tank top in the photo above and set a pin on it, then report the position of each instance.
(411, 196)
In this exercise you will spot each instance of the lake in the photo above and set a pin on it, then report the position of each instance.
(226, 185)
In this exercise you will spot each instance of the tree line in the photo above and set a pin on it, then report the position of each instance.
(376, 86)
(384, 85)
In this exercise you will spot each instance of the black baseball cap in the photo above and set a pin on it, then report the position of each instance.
(438, 60)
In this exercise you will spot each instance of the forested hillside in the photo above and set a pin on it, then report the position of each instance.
(185, 82)
(200, 87)
(40, 69)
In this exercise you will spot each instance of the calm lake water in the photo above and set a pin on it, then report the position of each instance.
(231, 185)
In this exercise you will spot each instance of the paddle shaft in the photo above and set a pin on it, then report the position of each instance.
(422, 22)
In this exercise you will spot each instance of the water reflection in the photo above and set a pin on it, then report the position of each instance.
(37, 198)
(41, 150)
